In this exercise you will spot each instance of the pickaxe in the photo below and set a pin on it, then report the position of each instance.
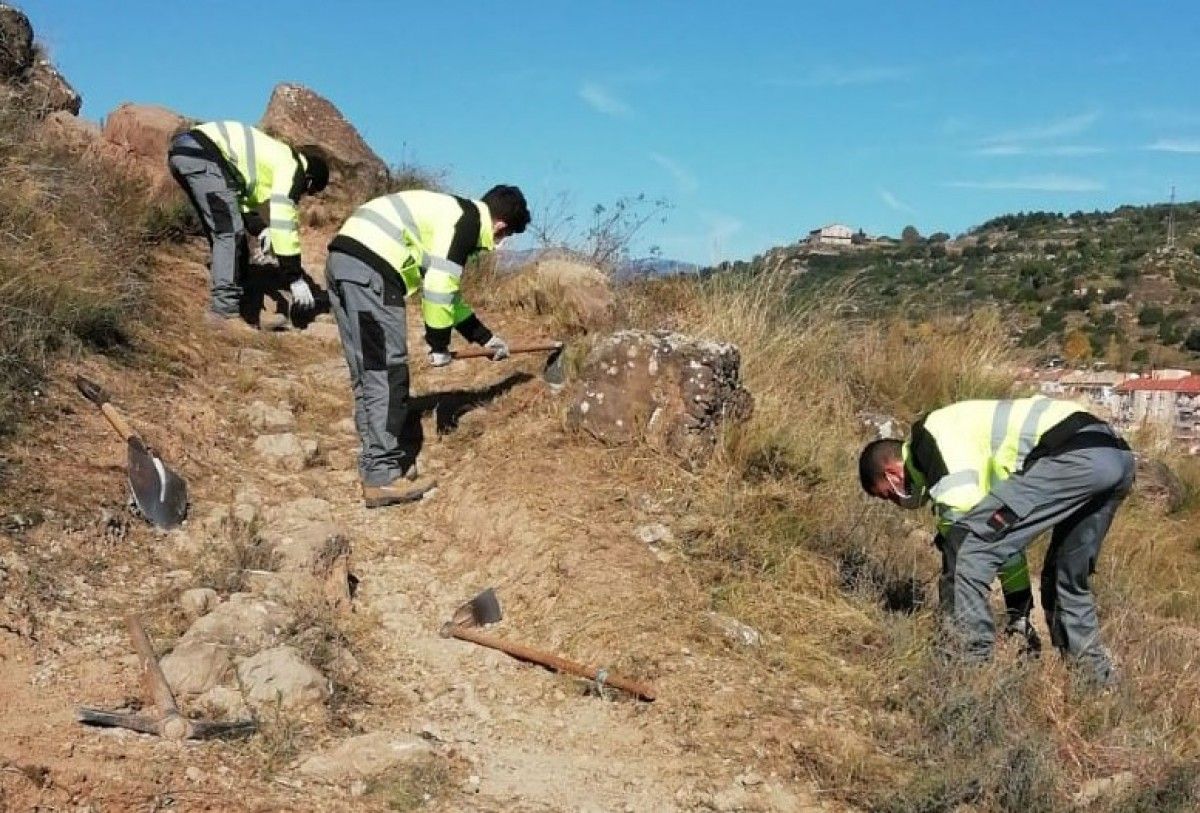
(553, 373)
(485, 609)
(170, 723)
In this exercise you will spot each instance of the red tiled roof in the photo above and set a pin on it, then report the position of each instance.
(1189, 384)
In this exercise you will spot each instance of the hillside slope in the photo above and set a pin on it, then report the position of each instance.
(1106, 277)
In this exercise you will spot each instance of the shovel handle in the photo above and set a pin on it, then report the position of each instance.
(526, 653)
(486, 352)
(98, 396)
(118, 423)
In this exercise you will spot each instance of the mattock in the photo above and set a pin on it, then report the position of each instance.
(170, 724)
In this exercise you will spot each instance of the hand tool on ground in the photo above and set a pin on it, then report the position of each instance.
(485, 609)
(553, 372)
(158, 493)
(170, 723)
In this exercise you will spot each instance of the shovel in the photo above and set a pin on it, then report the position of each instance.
(553, 373)
(485, 609)
(159, 493)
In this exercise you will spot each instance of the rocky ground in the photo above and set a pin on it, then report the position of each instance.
(361, 703)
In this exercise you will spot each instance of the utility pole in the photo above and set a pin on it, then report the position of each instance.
(1171, 221)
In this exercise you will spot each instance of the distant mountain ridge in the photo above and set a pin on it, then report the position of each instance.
(510, 260)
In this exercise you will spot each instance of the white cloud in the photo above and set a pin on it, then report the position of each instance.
(1063, 151)
(603, 101)
(1033, 183)
(895, 203)
(1059, 128)
(1184, 145)
(684, 179)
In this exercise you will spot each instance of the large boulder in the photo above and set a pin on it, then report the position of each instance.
(672, 390)
(137, 136)
(16, 42)
(143, 131)
(48, 90)
(26, 72)
(302, 117)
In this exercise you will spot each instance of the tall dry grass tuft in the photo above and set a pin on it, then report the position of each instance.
(780, 536)
(73, 255)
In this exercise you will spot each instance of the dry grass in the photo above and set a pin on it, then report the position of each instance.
(781, 537)
(73, 255)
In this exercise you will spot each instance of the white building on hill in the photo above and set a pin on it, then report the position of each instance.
(835, 234)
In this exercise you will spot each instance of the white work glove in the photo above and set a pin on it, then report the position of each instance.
(440, 359)
(302, 297)
(498, 347)
(264, 241)
(260, 249)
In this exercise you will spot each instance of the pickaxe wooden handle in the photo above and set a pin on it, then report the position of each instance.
(486, 352)
(638, 689)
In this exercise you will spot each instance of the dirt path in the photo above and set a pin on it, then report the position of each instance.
(545, 517)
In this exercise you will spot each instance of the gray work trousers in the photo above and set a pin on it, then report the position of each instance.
(1076, 492)
(216, 204)
(372, 325)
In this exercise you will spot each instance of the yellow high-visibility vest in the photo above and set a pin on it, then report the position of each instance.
(267, 169)
(425, 237)
(980, 443)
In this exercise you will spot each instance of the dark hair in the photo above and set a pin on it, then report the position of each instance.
(508, 204)
(875, 455)
(316, 171)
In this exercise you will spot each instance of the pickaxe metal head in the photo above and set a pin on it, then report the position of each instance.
(480, 611)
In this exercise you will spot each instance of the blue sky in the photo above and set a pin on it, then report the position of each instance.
(757, 120)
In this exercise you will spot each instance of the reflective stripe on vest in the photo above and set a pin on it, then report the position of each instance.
(983, 442)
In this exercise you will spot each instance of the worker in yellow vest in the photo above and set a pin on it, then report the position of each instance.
(997, 474)
(391, 248)
(227, 170)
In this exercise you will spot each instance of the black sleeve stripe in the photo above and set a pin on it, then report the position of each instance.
(926, 456)
(466, 233)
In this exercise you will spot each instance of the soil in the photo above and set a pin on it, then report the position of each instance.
(545, 516)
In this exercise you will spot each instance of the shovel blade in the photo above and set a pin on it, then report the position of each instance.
(554, 373)
(159, 493)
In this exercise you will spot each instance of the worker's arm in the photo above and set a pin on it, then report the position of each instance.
(284, 220)
(443, 307)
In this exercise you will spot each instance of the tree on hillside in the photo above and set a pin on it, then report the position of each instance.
(910, 235)
(1192, 342)
(1077, 347)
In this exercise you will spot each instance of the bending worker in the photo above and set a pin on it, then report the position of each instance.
(998, 473)
(228, 169)
(391, 248)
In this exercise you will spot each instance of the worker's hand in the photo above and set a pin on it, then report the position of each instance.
(440, 359)
(302, 296)
(264, 241)
(498, 347)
